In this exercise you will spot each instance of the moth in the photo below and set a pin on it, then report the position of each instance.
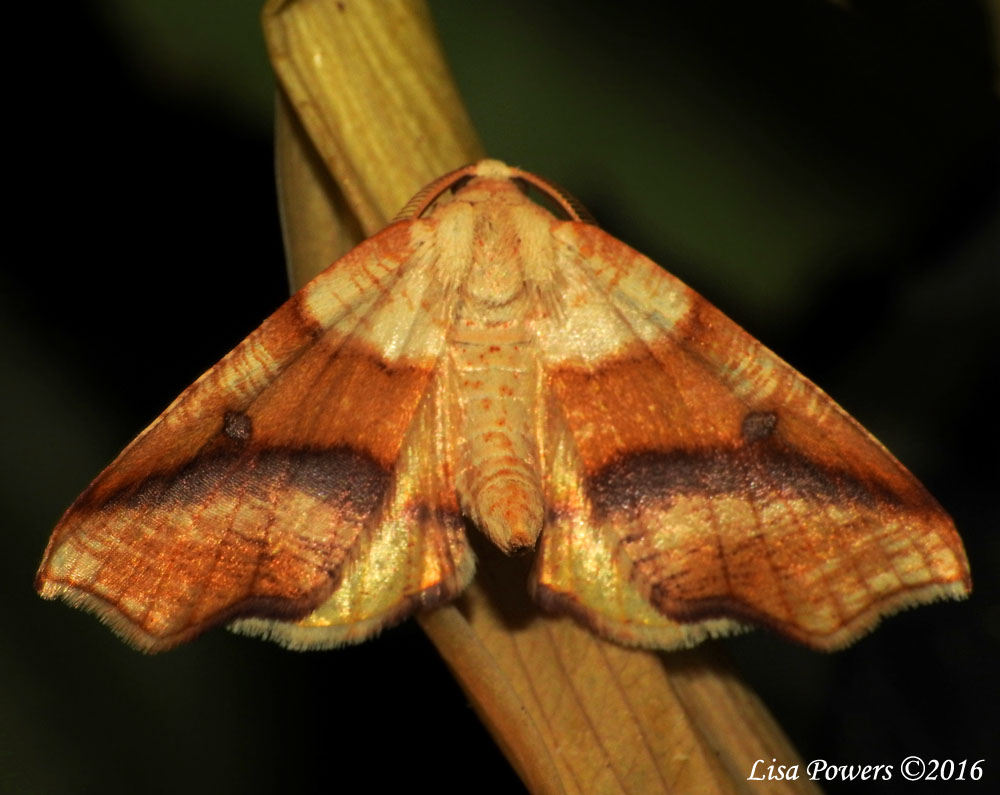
(484, 365)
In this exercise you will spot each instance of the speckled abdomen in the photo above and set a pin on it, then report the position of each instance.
(495, 388)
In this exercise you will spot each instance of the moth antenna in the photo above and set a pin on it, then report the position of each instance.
(572, 206)
(420, 203)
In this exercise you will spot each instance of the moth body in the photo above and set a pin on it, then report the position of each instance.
(484, 362)
(492, 361)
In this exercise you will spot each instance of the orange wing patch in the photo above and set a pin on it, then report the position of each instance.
(732, 486)
(416, 556)
(482, 363)
(253, 492)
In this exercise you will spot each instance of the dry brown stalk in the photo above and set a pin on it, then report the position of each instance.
(368, 114)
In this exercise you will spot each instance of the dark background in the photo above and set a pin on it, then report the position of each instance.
(829, 178)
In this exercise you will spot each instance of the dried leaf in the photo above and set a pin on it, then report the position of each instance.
(365, 79)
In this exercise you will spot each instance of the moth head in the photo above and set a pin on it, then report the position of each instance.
(468, 177)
